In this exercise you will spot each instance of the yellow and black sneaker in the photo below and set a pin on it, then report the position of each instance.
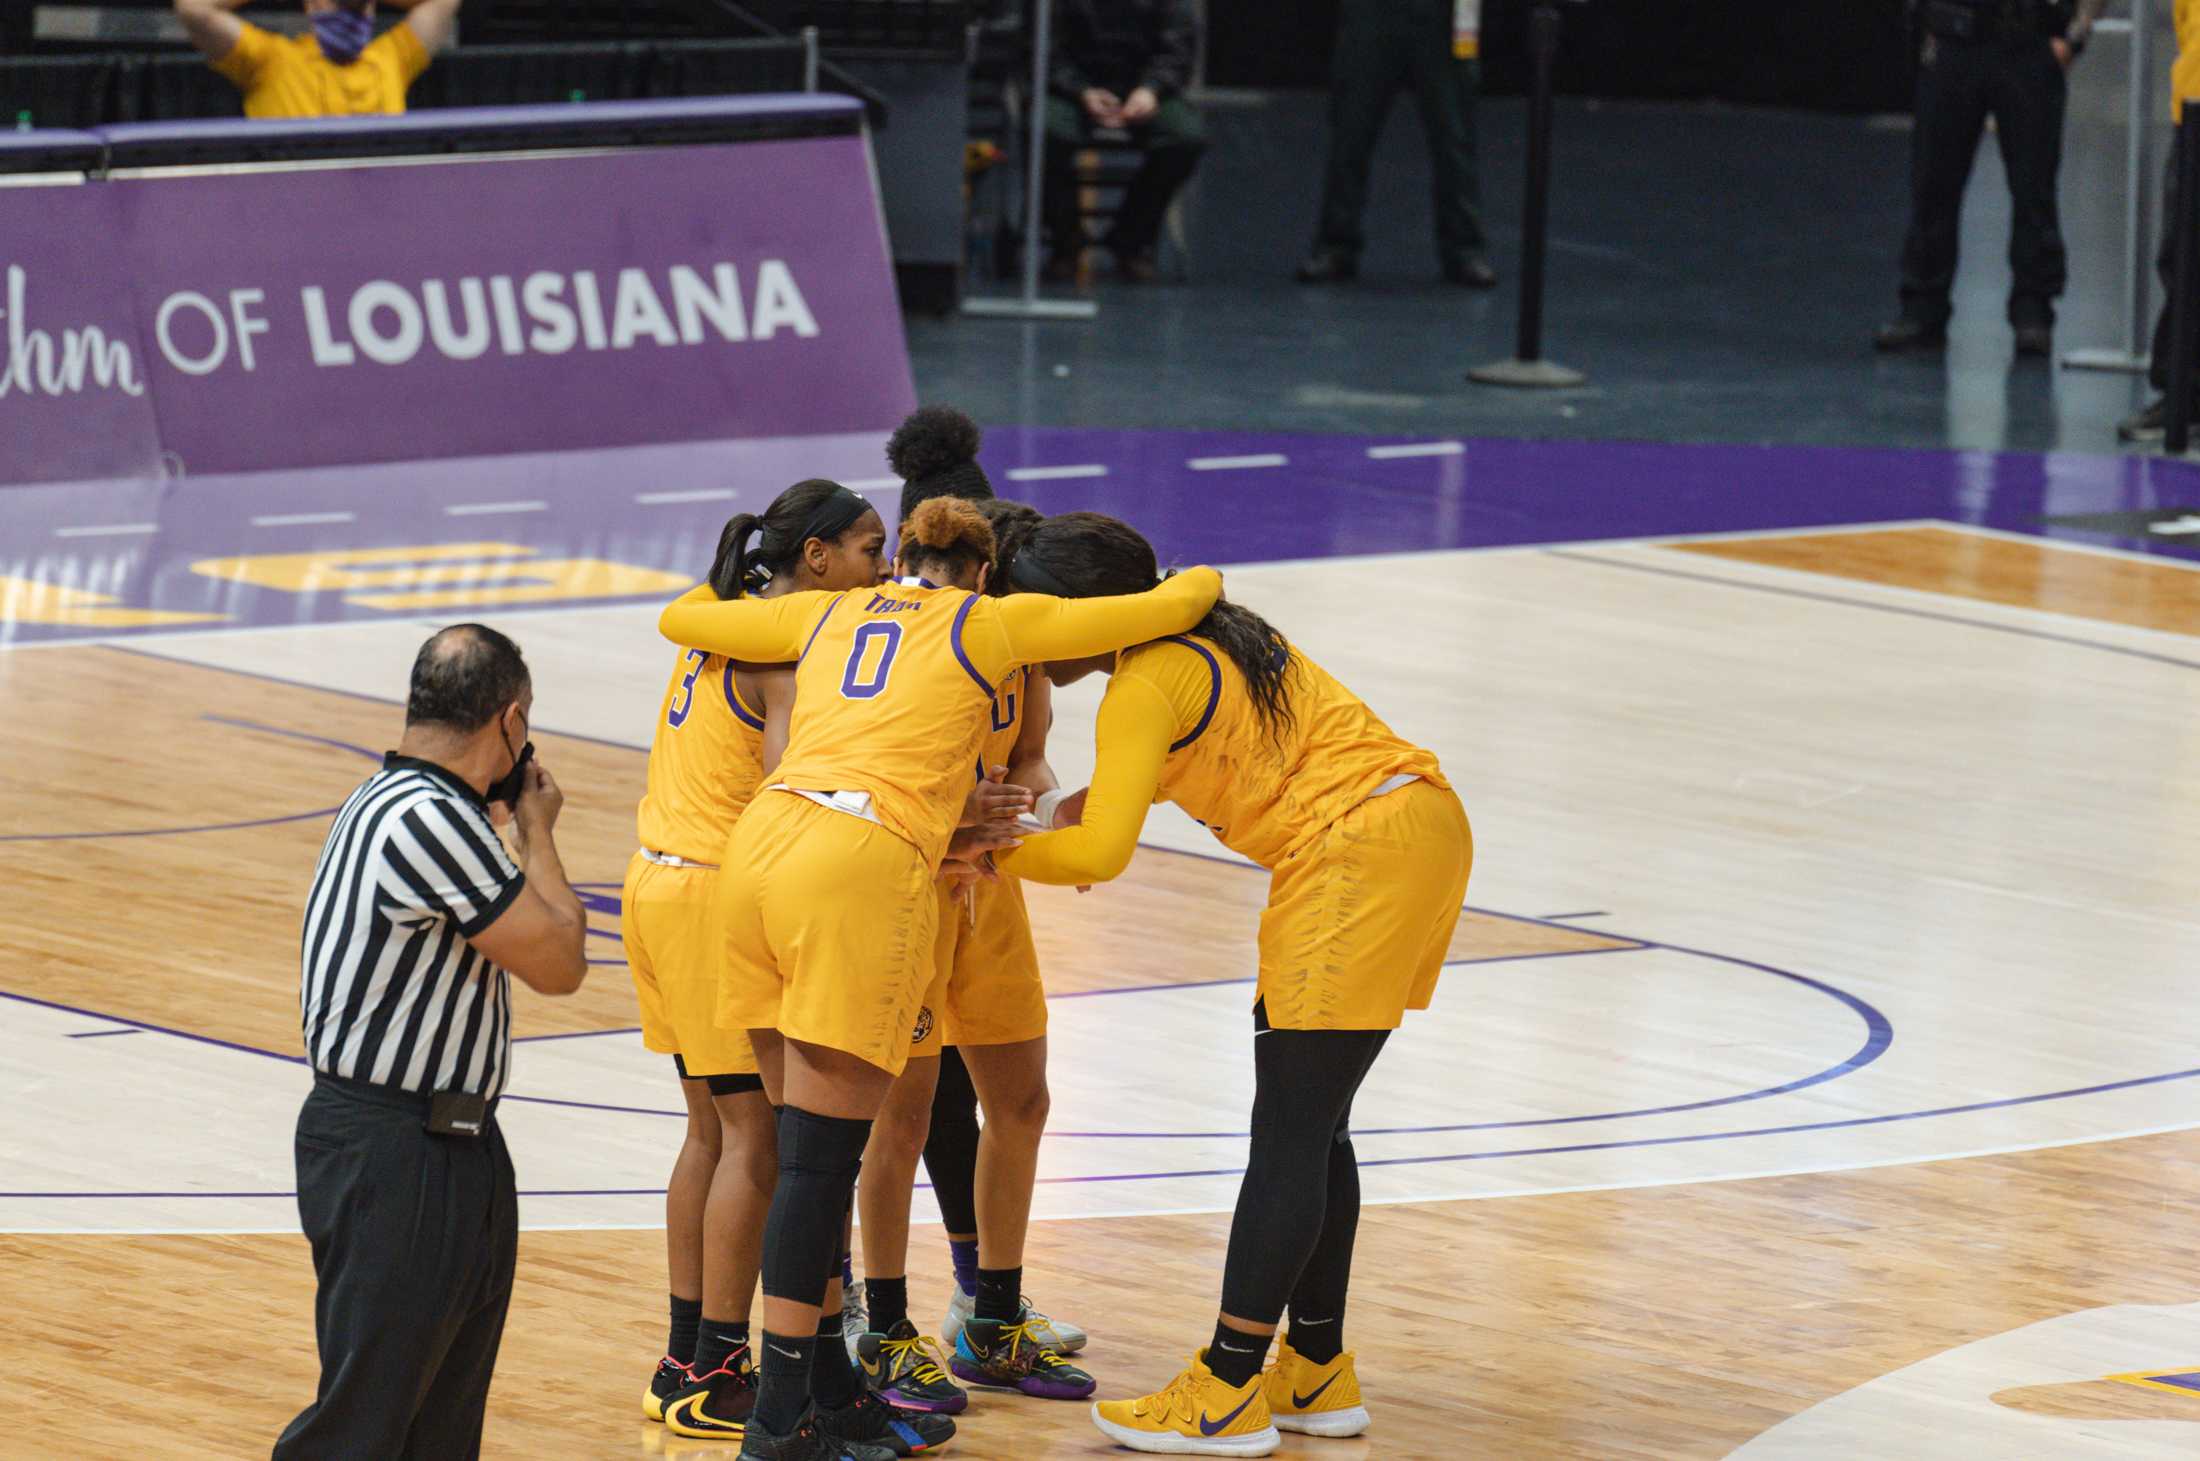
(1196, 1414)
(671, 1378)
(1312, 1399)
(717, 1405)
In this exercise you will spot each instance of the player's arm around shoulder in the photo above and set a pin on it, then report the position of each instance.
(1041, 627)
(758, 631)
(542, 935)
(1097, 829)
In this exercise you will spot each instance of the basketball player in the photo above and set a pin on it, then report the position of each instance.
(1368, 850)
(705, 764)
(828, 935)
(986, 1000)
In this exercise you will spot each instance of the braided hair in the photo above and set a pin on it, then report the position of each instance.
(1084, 555)
(1012, 526)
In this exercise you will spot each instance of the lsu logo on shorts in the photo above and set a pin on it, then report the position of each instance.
(924, 1024)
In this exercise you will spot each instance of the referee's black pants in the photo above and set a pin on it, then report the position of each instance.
(1960, 84)
(413, 1242)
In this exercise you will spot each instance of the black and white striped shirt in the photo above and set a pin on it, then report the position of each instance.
(389, 989)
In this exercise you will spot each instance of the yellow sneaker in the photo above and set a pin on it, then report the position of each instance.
(1314, 1400)
(1195, 1415)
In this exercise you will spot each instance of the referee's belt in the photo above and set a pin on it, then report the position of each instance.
(397, 1098)
(668, 859)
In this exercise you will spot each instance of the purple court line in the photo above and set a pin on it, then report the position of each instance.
(1845, 1123)
(71, 1009)
(214, 826)
(97, 1034)
(580, 1034)
(1563, 917)
(1855, 603)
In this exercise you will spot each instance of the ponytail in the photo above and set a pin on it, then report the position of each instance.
(815, 508)
(729, 571)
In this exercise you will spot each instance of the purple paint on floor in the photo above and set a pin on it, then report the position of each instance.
(153, 545)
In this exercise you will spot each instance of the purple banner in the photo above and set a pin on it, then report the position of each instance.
(75, 396)
(338, 316)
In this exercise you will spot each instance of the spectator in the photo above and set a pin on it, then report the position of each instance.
(2152, 424)
(341, 69)
(1383, 45)
(1121, 65)
(2006, 59)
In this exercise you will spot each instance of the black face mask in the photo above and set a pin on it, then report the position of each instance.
(506, 788)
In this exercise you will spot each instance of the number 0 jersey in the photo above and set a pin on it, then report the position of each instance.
(705, 760)
(893, 684)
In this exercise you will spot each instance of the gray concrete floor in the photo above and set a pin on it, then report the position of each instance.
(1717, 271)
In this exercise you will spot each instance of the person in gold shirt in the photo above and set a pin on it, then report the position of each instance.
(708, 758)
(339, 69)
(1368, 851)
(829, 931)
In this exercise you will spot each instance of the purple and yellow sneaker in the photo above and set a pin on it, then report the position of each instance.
(908, 1370)
(1012, 1358)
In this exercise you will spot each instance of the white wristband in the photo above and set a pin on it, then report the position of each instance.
(1049, 802)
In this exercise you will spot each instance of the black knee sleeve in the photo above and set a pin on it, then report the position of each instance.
(819, 1157)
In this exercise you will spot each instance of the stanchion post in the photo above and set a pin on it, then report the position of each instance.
(809, 58)
(2131, 356)
(2184, 311)
(1030, 306)
(1528, 367)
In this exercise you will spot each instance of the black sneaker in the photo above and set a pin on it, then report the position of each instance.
(2149, 425)
(808, 1441)
(717, 1405)
(671, 1378)
(1909, 334)
(1329, 266)
(871, 1421)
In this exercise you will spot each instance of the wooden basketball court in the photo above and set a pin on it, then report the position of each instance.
(1815, 1075)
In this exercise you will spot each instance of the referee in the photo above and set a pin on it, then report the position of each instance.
(404, 1185)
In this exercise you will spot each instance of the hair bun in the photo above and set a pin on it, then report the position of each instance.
(931, 440)
(950, 525)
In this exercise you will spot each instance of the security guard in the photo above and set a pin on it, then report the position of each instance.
(2006, 59)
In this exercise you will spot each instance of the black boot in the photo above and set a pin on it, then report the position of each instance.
(1470, 271)
(1328, 265)
(2034, 322)
(1910, 334)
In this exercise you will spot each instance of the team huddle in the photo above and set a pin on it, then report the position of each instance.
(847, 784)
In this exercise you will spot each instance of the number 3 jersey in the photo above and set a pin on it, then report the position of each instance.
(706, 760)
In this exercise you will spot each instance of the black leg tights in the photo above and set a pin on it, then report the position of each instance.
(951, 1151)
(1299, 1205)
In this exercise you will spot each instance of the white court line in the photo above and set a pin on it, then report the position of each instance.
(108, 530)
(2127, 555)
(1053, 474)
(300, 519)
(1418, 449)
(483, 509)
(872, 484)
(1233, 464)
(1697, 1181)
(700, 494)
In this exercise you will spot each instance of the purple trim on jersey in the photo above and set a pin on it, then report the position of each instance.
(1214, 690)
(798, 659)
(741, 712)
(955, 642)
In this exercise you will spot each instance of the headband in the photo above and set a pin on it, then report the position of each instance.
(1026, 572)
(835, 515)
